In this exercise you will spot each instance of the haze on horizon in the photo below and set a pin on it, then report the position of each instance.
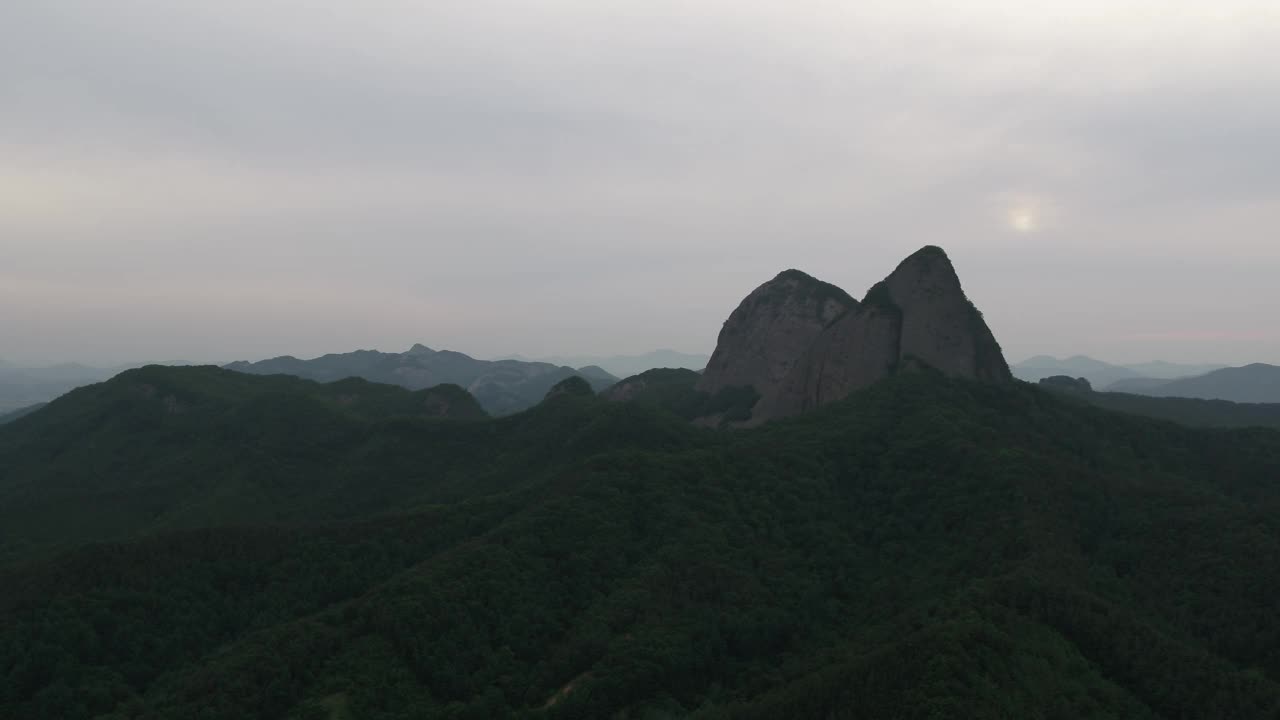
(245, 179)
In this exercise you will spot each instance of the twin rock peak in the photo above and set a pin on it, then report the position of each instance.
(803, 343)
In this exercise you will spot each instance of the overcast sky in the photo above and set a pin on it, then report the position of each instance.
(235, 179)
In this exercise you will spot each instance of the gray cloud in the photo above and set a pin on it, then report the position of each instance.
(242, 178)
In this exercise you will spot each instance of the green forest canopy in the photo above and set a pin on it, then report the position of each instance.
(930, 548)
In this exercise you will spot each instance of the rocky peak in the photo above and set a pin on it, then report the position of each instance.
(803, 344)
(420, 349)
(771, 329)
(940, 327)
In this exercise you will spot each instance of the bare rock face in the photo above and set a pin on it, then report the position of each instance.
(857, 350)
(940, 327)
(800, 352)
(771, 330)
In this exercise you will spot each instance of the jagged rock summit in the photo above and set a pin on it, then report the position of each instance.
(802, 343)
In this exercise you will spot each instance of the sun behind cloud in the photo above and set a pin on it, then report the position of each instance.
(1023, 219)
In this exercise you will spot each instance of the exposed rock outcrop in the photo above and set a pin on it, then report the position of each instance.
(856, 351)
(801, 353)
(770, 331)
(940, 327)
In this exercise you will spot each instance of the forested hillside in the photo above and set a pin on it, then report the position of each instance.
(164, 448)
(928, 548)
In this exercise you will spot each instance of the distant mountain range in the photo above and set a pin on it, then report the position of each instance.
(1195, 412)
(626, 365)
(1103, 374)
(501, 386)
(1256, 383)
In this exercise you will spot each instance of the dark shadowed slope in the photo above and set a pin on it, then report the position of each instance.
(161, 448)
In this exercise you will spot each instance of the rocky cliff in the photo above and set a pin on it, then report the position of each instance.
(857, 350)
(940, 327)
(800, 353)
(771, 329)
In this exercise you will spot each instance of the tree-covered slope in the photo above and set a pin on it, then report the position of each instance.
(928, 548)
(167, 448)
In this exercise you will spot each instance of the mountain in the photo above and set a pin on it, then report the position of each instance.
(627, 365)
(574, 386)
(927, 539)
(1186, 411)
(655, 385)
(770, 330)
(675, 390)
(22, 387)
(116, 459)
(1256, 383)
(931, 546)
(1100, 374)
(598, 376)
(1122, 378)
(501, 386)
(801, 343)
(1135, 385)
(1162, 370)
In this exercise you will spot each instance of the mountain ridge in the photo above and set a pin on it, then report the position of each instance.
(1253, 383)
(624, 365)
(501, 386)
